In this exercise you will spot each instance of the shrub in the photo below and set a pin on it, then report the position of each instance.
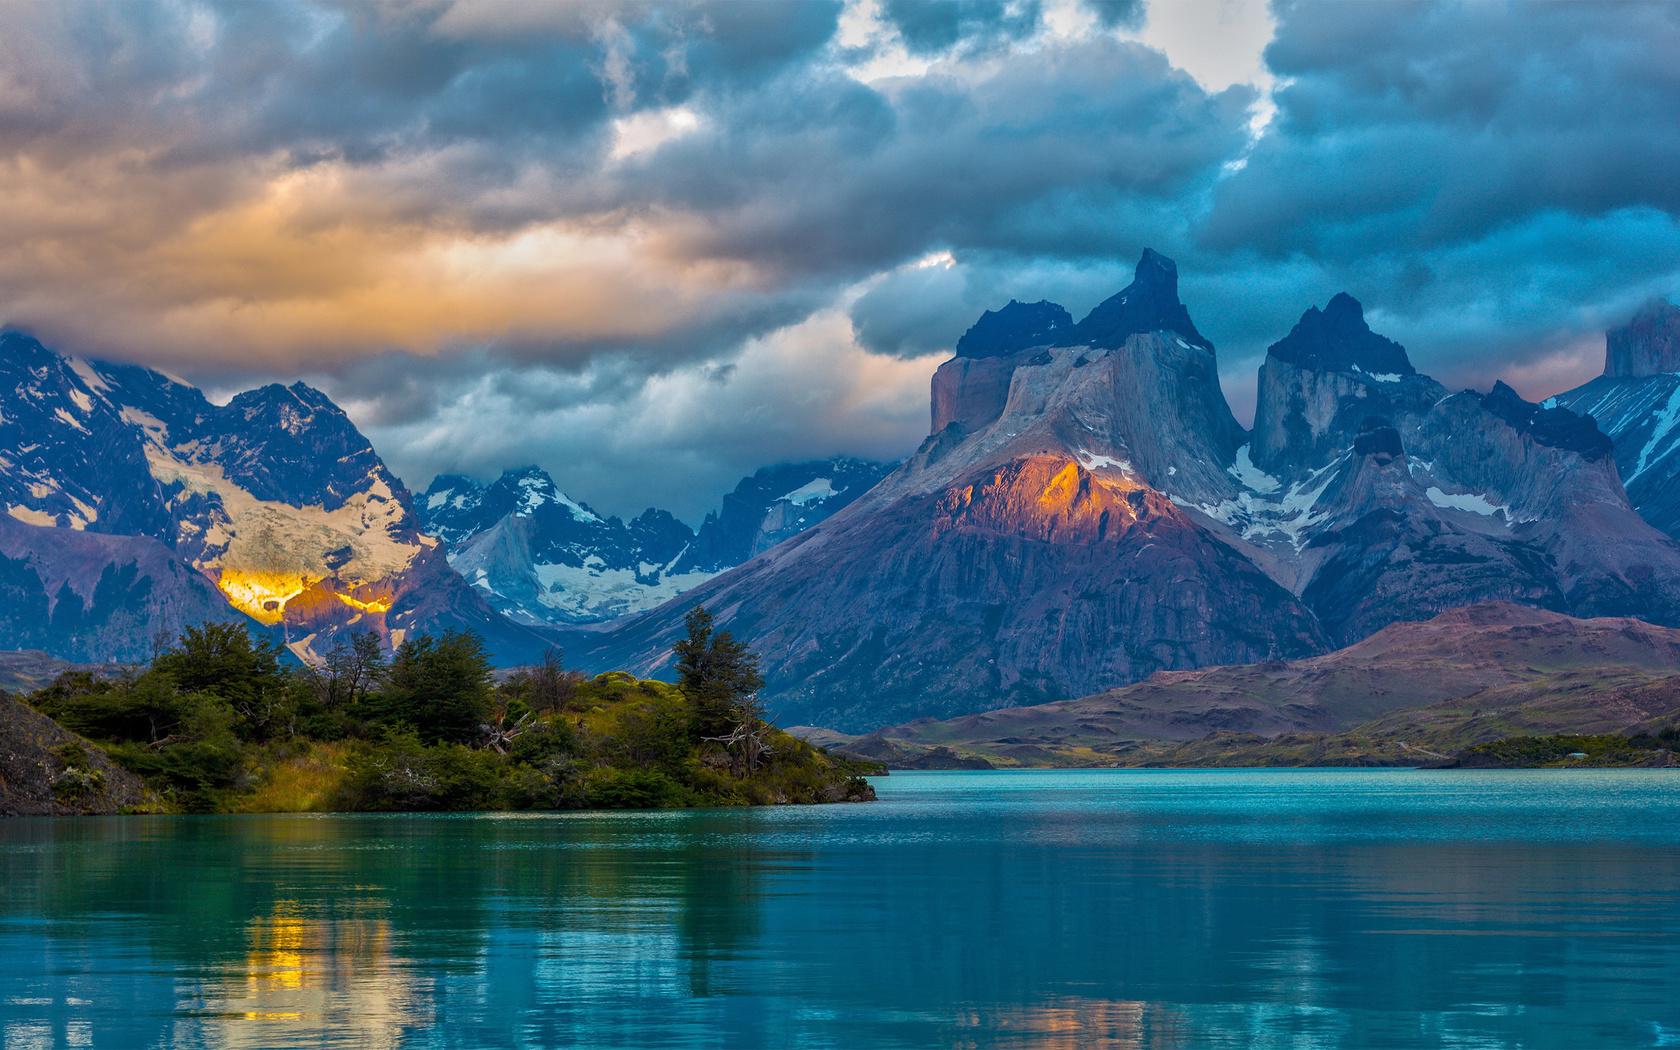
(440, 686)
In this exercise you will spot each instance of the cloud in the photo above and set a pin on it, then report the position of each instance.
(1495, 180)
(635, 225)
(623, 440)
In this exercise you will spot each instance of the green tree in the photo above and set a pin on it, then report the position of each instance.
(441, 686)
(223, 660)
(717, 674)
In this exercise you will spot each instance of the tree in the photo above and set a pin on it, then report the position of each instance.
(441, 686)
(718, 675)
(544, 687)
(223, 660)
(352, 670)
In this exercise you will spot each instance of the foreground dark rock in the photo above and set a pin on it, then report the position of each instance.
(46, 770)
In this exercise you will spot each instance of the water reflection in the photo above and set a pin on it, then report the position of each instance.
(1101, 910)
(304, 975)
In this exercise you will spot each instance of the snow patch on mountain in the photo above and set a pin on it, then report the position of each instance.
(1250, 476)
(593, 591)
(1091, 461)
(820, 489)
(32, 517)
(1258, 515)
(1474, 502)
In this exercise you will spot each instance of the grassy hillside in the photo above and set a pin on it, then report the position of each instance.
(1408, 694)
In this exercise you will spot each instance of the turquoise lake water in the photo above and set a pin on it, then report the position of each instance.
(1333, 908)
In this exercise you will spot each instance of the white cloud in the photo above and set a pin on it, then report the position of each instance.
(1219, 42)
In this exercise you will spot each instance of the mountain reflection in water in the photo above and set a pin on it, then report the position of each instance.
(1136, 909)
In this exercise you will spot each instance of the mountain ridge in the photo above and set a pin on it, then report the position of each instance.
(1360, 498)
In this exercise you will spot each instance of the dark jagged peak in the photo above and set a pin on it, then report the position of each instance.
(1377, 437)
(1509, 405)
(1149, 304)
(450, 509)
(1338, 339)
(1554, 427)
(1647, 345)
(289, 405)
(658, 536)
(293, 445)
(1017, 326)
(529, 490)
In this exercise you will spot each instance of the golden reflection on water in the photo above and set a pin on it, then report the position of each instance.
(309, 980)
(1067, 1023)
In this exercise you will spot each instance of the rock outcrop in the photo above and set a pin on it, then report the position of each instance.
(46, 770)
(1636, 402)
(1648, 345)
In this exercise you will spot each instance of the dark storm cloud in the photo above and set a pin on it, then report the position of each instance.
(1411, 126)
(1497, 180)
(1062, 150)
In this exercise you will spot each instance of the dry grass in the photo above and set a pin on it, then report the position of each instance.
(301, 784)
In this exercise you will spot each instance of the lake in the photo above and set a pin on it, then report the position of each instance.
(1090, 908)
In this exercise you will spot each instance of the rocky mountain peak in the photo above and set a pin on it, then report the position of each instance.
(1647, 345)
(1149, 304)
(1017, 326)
(293, 445)
(1554, 427)
(1338, 339)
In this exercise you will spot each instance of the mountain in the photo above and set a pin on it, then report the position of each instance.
(133, 492)
(1379, 496)
(1021, 553)
(778, 503)
(1637, 403)
(1087, 512)
(1480, 672)
(541, 557)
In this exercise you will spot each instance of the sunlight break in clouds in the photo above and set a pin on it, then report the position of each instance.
(1219, 42)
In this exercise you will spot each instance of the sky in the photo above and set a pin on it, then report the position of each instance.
(651, 247)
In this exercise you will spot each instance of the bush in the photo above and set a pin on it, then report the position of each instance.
(401, 772)
(439, 686)
(613, 787)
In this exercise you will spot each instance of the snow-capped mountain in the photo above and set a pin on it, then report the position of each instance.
(542, 557)
(275, 498)
(1087, 512)
(778, 503)
(1637, 402)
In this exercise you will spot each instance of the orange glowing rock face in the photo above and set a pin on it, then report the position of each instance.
(376, 605)
(1052, 498)
(261, 596)
(264, 596)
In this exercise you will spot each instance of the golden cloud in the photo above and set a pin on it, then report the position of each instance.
(304, 267)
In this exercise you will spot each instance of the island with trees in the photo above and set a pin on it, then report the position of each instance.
(219, 723)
